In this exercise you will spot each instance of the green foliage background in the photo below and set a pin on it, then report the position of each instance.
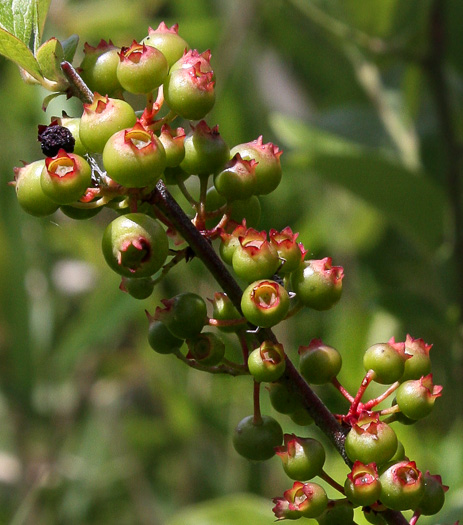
(95, 427)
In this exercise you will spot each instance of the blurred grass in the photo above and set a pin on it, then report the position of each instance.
(96, 428)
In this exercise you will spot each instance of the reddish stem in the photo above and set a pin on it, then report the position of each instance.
(341, 389)
(326, 477)
(370, 375)
(377, 400)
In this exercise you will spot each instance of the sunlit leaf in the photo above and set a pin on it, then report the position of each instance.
(14, 49)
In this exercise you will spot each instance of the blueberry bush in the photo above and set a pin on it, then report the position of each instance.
(189, 309)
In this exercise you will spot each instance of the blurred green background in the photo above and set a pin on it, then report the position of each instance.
(365, 100)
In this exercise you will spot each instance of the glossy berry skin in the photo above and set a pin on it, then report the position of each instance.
(419, 364)
(340, 513)
(139, 288)
(206, 348)
(371, 441)
(205, 150)
(101, 119)
(99, 68)
(79, 214)
(402, 486)
(268, 168)
(317, 283)
(31, 197)
(319, 363)
(433, 498)
(303, 500)
(265, 303)
(267, 363)
(302, 458)
(184, 315)
(237, 180)
(254, 257)
(65, 177)
(173, 142)
(161, 339)
(134, 157)
(257, 440)
(168, 41)
(387, 360)
(290, 252)
(190, 92)
(362, 486)
(230, 241)
(141, 68)
(224, 310)
(135, 245)
(416, 397)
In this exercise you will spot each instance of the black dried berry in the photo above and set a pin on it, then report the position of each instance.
(55, 137)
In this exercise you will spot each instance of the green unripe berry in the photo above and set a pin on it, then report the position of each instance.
(65, 177)
(135, 245)
(134, 157)
(402, 486)
(362, 486)
(256, 440)
(184, 315)
(237, 180)
(337, 513)
(265, 303)
(371, 441)
(317, 283)
(267, 363)
(224, 310)
(319, 363)
(387, 360)
(206, 348)
(139, 288)
(29, 192)
(434, 495)
(168, 41)
(282, 400)
(416, 397)
(161, 339)
(101, 119)
(302, 458)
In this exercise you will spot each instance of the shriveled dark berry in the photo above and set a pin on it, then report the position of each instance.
(54, 137)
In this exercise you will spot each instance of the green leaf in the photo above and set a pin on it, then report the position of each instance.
(18, 18)
(14, 49)
(42, 7)
(70, 47)
(49, 56)
(410, 200)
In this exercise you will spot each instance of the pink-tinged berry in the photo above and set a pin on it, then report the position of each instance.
(387, 360)
(302, 458)
(419, 364)
(237, 180)
(168, 41)
(29, 192)
(173, 142)
(184, 315)
(416, 397)
(102, 118)
(254, 257)
(135, 245)
(268, 168)
(308, 500)
(230, 241)
(206, 348)
(319, 363)
(256, 439)
(402, 486)
(205, 150)
(265, 303)
(65, 177)
(290, 252)
(134, 157)
(370, 440)
(317, 283)
(362, 486)
(141, 68)
(434, 495)
(190, 92)
(192, 58)
(99, 68)
(267, 363)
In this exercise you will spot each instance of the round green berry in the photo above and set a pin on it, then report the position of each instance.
(265, 303)
(256, 440)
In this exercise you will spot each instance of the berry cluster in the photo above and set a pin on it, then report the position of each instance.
(115, 156)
